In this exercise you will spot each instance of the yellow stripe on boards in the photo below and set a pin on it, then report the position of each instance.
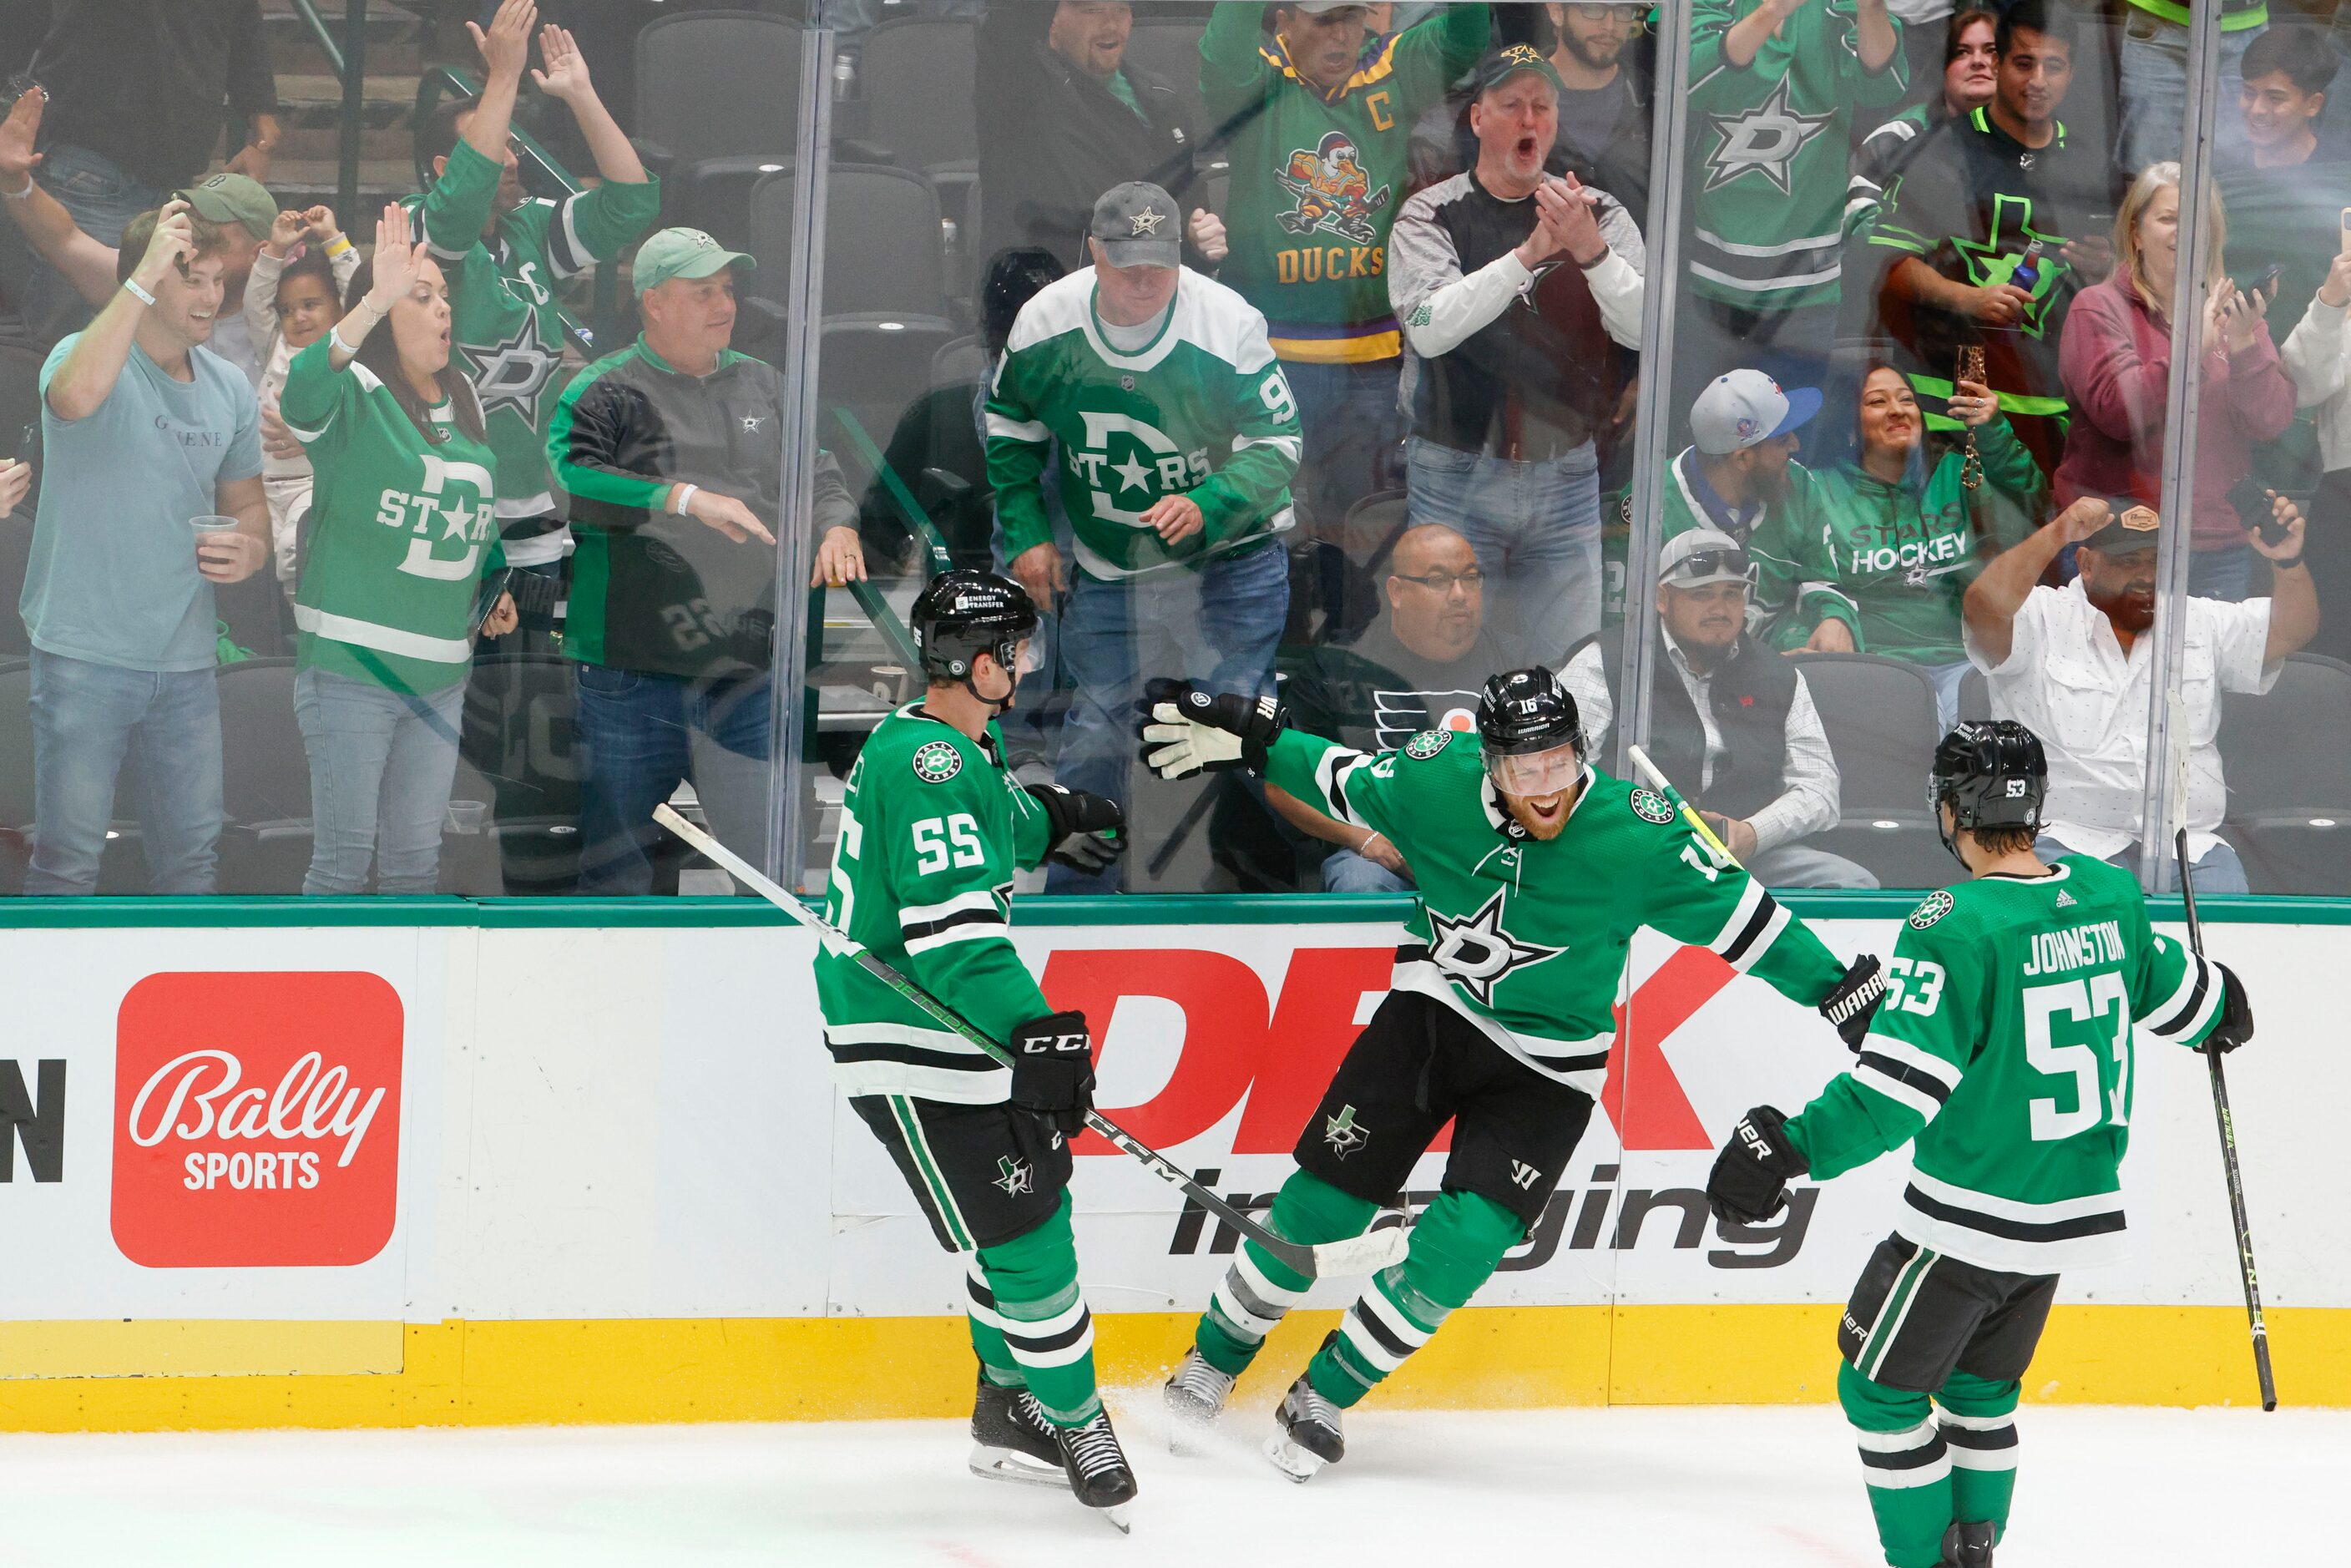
(115, 1347)
(803, 1369)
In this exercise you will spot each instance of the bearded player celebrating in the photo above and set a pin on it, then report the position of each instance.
(2003, 1055)
(1534, 872)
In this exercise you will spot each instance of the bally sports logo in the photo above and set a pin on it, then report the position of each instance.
(256, 1120)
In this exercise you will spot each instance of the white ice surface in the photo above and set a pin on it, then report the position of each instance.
(1614, 1489)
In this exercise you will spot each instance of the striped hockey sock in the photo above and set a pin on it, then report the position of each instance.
(1979, 1422)
(1906, 1464)
(996, 1363)
(1026, 1292)
(1454, 1250)
(1258, 1291)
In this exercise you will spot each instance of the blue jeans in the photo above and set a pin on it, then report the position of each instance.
(2226, 574)
(88, 721)
(644, 735)
(1353, 428)
(1216, 625)
(2220, 871)
(1536, 529)
(381, 763)
(102, 199)
(2153, 87)
(1345, 871)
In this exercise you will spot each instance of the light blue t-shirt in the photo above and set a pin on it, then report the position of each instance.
(112, 578)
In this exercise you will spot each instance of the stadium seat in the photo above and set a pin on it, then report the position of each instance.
(1975, 694)
(265, 780)
(1168, 47)
(1879, 715)
(520, 739)
(2289, 811)
(917, 75)
(714, 85)
(886, 254)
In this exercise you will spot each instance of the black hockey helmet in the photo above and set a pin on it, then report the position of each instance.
(1525, 713)
(1994, 773)
(963, 614)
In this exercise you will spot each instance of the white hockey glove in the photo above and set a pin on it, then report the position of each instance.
(1186, 731)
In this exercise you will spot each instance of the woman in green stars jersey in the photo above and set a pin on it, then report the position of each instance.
(1900, 533)
(403, 528)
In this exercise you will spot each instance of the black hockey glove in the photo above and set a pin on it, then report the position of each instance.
(2236, 1025)
(1854, 1002)
(1089, 831)
(1053, 1070)
(1186, 731)
(1749, 1183)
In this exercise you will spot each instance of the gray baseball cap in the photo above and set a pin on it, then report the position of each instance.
(1139, 225)
(1745, 407)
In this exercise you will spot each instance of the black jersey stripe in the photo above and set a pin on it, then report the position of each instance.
(1047, 1343)
(2179, 1021)
(923, 930)
(1926, 1453)
(1901, 1072)
(1765, 907)
(916, 1056)
(1382, 1335)
(2072, 1229)
(1978, 1440)
(1412, 953)
(1591, 1062)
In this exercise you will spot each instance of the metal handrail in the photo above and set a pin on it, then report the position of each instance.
(318, 30)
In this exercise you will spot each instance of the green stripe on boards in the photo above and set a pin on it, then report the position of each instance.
(919, 1147)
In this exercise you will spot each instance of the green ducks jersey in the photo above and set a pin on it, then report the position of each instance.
(931, 829)
(2003, 1052)
(1528, 939)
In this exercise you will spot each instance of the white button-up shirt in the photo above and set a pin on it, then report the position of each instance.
(1807, 802)
(2067, 679)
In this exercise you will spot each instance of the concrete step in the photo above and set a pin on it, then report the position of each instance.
(396, 36)
(300, 181)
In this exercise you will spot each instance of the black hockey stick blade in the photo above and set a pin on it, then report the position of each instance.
(1364, 1254)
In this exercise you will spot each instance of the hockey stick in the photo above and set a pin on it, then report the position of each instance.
(2228, 1162)
(1658, 782)
(1364, 1254)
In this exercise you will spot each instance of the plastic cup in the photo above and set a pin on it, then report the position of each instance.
(204, 527)
(466, 816)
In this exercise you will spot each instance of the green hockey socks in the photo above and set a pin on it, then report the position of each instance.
(1455, 1247)
(1258, 1291)
(1926, 1468)
(1030, 1324)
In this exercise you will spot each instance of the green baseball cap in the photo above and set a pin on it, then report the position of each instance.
(682, 252)
(234, 199)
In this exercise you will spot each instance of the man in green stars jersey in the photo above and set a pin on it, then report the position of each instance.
(1534, 872)
(505, 253)
(2003, 1055)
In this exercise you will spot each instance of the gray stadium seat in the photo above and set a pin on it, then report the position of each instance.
(714, 84)
(917, 75)
(1880, 718)
(883, 248)
(265, 780)
(1975, 694)
(2289, 811)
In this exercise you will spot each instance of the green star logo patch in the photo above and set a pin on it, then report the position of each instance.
(936, 761)
(1936, 907)
(1427, 744)
(1652, 807)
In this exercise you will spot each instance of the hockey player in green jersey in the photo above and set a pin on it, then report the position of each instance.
(2003, 1055)
(931, 829)
(1534, 872)
(505, 253)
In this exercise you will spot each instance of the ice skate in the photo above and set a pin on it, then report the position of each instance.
(1969, 1546)
(1310, 1436)
(1011, 1440)
(1097, 1468)
(1196, 1398)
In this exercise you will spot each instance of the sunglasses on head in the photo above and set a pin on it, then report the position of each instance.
(1711, 563)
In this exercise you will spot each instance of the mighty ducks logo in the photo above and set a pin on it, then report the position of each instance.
(1333, 194)
(1652, 807)
(1764, 140)
(936, 761)
(1936, 905)
(1478, 954)
(509, 373)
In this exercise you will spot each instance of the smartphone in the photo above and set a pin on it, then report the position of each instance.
(2346, 228)
(494, 586)
(2266, 285)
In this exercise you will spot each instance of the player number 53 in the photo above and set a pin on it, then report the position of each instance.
(1913, 986)
(2046, 1009)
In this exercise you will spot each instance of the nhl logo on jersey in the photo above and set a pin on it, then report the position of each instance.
(1427, 744)
(936, 761)
(1936, 905)
(1343, 1134)
(1652, 807)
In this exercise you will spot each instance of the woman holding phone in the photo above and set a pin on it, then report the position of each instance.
(2318, 355)
(403, 531)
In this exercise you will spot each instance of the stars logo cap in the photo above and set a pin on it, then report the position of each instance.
(1139, 225)
(682, 252)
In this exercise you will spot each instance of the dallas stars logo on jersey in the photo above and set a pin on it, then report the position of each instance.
(450, 504)
(936, 761)
(1763, 141)
(1478, 953)
(1014, 1177)
(1652, 807)
(1130, 463)
(1333, 193)
(1343, 1134)
(1427, 744)
(1993, 260)
(509, 373)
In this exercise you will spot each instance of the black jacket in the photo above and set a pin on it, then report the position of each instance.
(148, 83)
(1052, 139)
(651, 590)
(1750, 697)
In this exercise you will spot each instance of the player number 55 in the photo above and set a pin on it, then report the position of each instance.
(941, 843)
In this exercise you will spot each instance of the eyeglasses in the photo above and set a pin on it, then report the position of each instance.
(1631, 15)
(1443, 582)
(1710, 563)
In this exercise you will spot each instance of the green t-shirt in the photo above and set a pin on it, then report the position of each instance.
(2002, 1052)
(402, 529)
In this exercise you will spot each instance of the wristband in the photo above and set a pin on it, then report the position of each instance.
(681, 497)
(336, 332)
(337, 247)
(2293, 565)
(20, 195)
(140, 295)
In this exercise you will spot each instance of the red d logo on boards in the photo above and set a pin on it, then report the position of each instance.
(256, 1120)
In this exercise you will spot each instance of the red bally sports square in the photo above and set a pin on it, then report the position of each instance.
(256, 1120)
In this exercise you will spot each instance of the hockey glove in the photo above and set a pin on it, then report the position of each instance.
(1186, 731)
(1749, 1183)
(1089, 831)
(1053, 1070)
(2236, 1025)
(1854, 1002)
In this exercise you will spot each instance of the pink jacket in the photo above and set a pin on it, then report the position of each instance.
(2115, 362)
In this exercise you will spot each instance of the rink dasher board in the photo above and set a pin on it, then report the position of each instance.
(608, 1179)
